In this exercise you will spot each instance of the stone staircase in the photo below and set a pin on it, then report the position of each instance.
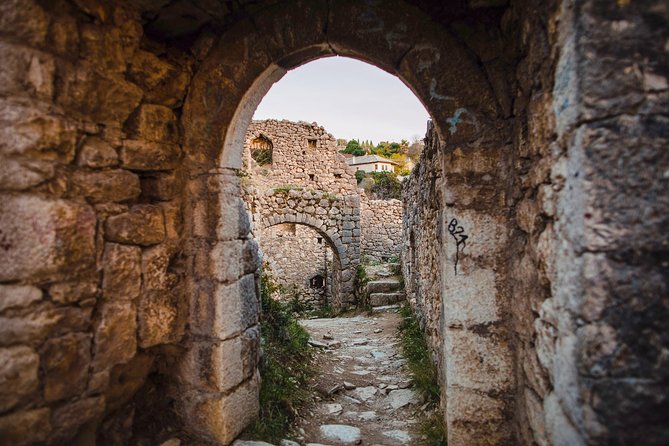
(385, 292)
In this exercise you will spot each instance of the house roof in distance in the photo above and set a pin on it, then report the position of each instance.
(368, 159)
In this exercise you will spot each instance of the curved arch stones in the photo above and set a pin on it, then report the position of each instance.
(337, 218)
(238, 70)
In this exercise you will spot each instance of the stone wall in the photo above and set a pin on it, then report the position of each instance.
(305, 155)
(294, 255)
(92, 284)
(381, 225)
(421, 250)
(564, 268)
(335, 218)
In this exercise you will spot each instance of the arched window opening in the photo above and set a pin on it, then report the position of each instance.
(317, 282)
(261, 150)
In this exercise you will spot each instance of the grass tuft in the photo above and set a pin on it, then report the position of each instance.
(287, 364)
(424, 375)
(286, 189)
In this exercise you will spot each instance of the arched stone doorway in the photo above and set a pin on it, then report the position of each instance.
(341, 290)
(337, 219)
(467, 115)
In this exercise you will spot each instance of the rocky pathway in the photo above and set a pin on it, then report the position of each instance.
(364, 388)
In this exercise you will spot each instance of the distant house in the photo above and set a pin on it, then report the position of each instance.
(372, 163)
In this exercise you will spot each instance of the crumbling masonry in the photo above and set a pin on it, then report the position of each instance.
(308, 182)
(128, 270)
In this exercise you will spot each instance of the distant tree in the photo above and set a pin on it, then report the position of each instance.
(386, 186)
(359, 175)
(359, 152)
(351, 146)
(401, 160)
(415, 150)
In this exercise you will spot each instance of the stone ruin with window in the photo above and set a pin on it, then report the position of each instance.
(285, 156)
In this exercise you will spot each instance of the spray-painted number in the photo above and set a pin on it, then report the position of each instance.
(458, 233)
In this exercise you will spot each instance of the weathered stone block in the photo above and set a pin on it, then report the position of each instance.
(225, 261)
(157, 318)
(26, 130)
(528, 216)
(96, 153)
(71, 292)
(42, 322)
(155, 262)
(18, 375)
(222, 418)
(21, 174)
(126, 379)
(227, 311)
(65, 362)
(110, 185)
(166, 83)
(535, 416)
(160, 186)
(480, 363)
(378, 299)
(63, 34)
(115, 335)
(121, 276)
(472, 298)
(225, 364)
(466, 405)
(12, 296)
(102, 46)
(26, 70)
(148, 70)
(251, 257)
(174, 220)
(85, 92)
(67, 419)
(152, 122)
(25, 428)
(24, 19)
(559, 428)
(142, 225)
(383, 286)
(44, 238)
(143, 155)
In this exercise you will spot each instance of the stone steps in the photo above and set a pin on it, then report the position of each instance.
(384, 286)
(379, 299)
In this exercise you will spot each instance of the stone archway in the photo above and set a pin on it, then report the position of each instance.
(336, 218)
(341, 290)
(467, 115)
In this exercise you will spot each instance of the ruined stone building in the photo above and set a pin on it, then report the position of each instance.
(286, 164)
(535, 225)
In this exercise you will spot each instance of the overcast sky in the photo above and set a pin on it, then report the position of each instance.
(351, 99)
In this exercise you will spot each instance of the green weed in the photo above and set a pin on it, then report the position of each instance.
(432, 429)
(285, 367)
(286, 189)
(324, 311)
(424, 376)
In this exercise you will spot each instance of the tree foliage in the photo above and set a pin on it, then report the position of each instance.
(380, 185)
